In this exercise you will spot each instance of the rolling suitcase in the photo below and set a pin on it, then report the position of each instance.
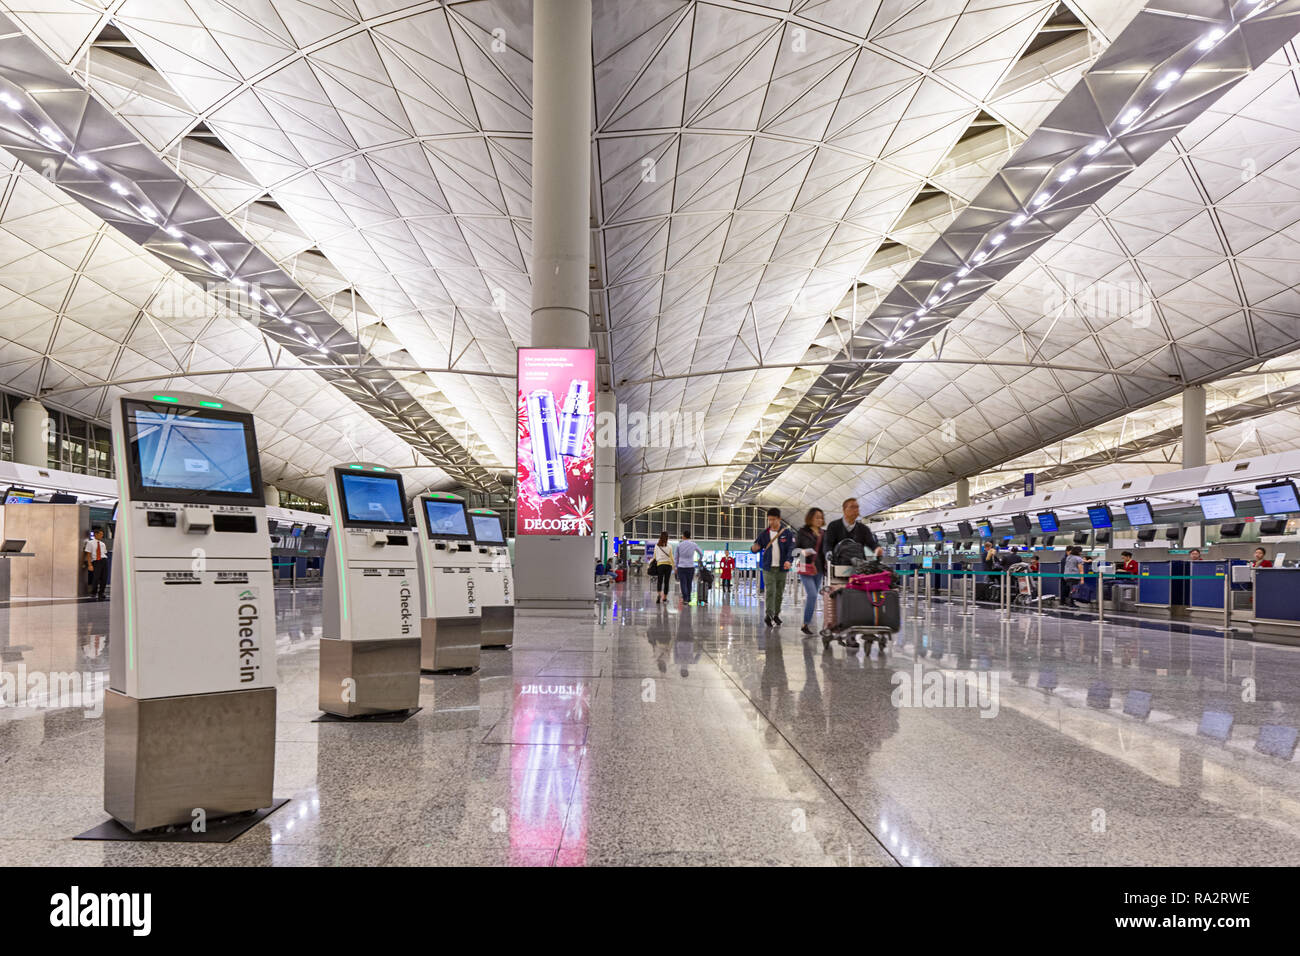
(877, 613)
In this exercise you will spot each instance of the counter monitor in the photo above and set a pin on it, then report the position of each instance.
(1218, 505)
(1278, 498)
(1139, 512)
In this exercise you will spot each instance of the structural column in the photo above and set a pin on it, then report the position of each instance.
(963, 492)
(31, 434)
(606, 509)
(272, 494)
(1194, 426)
(557, 571)
(562, 80)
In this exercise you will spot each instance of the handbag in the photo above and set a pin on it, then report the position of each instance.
(808, 562)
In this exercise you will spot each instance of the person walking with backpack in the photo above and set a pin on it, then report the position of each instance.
(812, 564)
(775, 546)
(663, 567)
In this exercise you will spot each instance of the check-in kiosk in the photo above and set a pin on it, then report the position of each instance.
(450, 615)
(494, 578)
(190, 710)
(370, 634)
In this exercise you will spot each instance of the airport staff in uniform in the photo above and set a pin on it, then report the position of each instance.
(96, 552)
(848, 526)
(1261, 559)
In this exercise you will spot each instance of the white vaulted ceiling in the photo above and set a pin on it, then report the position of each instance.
(1207, 232)
(765, 174)
(79, 303)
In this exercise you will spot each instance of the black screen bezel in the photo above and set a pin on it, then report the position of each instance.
(1056, 520)
(135, 475)
(965, 529)
(1277, 484)
(1022, 532)
(500, 527)
(923, 534)
(428, 529)
(347, 522)
(1102, 505)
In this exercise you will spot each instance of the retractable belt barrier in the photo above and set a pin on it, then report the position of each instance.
(1004, 602)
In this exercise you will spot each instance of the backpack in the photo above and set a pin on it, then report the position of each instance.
(848, 551)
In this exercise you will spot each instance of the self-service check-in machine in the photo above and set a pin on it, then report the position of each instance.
(370, 635)
(494, 579)
(190, 710)
(451, 618)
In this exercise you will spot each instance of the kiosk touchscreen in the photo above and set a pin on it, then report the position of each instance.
(494, 579)
(190, 710)
(370, 633)
(450, 619)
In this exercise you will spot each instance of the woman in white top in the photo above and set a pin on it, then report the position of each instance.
(663, 558)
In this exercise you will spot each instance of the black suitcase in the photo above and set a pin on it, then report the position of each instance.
(855, 608)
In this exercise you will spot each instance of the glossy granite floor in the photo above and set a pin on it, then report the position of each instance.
(649, 734)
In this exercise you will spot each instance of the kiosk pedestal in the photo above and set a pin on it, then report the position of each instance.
(156, 775)
(370, 643)
(189, 720)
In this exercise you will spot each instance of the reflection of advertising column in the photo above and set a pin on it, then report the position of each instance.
(555, 470)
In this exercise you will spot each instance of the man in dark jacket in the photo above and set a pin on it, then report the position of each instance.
(848, 526)
(775, 546)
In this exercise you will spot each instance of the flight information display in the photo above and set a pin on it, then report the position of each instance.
(446, 518)
(1217, 505)
(19, 496)
(372, 499)
(1139, 512)
(1279, 498)
(986, 530)
(938, 532)
(1047, 521)
(1100, 516)
(487, 529)
(965, 530)
(180, 449)
(1020, 524)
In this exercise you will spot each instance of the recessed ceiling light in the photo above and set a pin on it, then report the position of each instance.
(88, 164)
(1019, 220)
(117, 188)
(238, 282)
(147, 212)
(8, 101)
(1168, 80)
(1068, 174)
(1041, 198)
(198, 250)
(173, 232)
(51, 134)
(998, 239)
(269, 308)
(909, 323)
(947, 286)
(932, 300)
(1211, 38)
(1096, 147)
(300, 330)
(1130, 116)
(963, 271)
(980, 256)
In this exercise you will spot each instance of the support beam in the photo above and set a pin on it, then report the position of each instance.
(31, 434)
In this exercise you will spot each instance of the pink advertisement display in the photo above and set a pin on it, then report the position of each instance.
(555, 463)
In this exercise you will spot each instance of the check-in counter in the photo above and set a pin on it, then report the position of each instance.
(1205, 594)
(1051, 585)
(1157, 595)
(1277, 605)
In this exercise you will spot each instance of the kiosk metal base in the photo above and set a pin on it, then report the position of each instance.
(223, 830)
(384, 675)
(450, 643)
(498, 626)
(166, 757)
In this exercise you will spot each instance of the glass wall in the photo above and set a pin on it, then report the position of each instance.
(76, 445)
(705, 518)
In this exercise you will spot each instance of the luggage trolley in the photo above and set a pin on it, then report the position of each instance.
(848, 612)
